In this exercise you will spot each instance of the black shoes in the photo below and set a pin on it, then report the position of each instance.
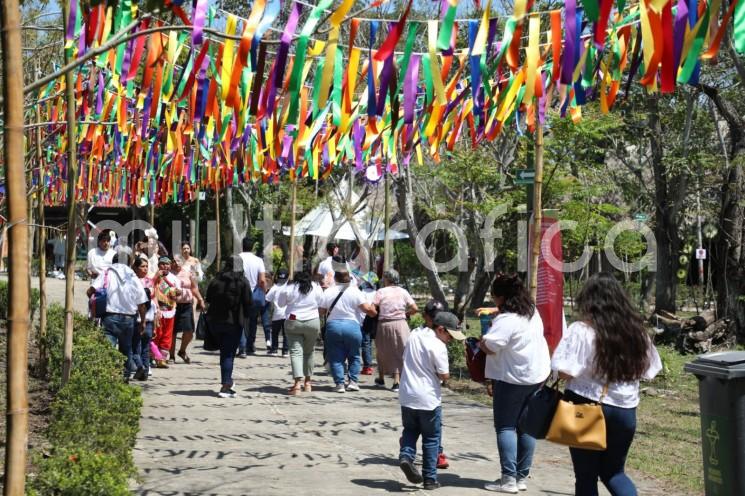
(411, 472)
(140, 375)
(429, 485)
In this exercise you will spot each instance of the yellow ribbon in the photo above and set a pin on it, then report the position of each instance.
(434, 63)
(534, 33)
(227, 56)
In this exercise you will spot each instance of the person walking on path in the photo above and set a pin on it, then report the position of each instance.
(369, 326)
(184, 319)
(341, 305)
(301, 298)
(125, 299)
(326, 267)
(255, 273)
(395, 305)
(229, 300)
(517, 362)
(101, 257)
(278, 312)
(166, 292)
(431, 309)
(603, 356)
(190, 262)
(425, 367)
(141, 341)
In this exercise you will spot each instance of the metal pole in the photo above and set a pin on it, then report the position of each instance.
(537, 208)
(293, 205)
(18, 263)
(387, 240)
(700, 236)
(72, 174)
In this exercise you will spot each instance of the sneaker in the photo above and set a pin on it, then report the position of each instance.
(352, 386)
(504, 485)
(394, 388)
(380, 382)
(521, 485)
(339, 388)
(242, 354)
(140, 375)
(411, 472)
(430, 485)
(227, 393)
(367, 371)
(268, 344)
(271, 352)
(442, 461)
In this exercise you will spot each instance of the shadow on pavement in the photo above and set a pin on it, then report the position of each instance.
(385, 484)
(195, 392)
(379, 460)
(454, 480)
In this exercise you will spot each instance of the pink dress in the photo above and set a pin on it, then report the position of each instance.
(393, 330)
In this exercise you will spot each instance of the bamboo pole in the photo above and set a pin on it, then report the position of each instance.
(217, 219)
(18, 266)
(197, 227)
(72, 174)
(42, 254)
(293, 205)
(387, 240)
(537, 209)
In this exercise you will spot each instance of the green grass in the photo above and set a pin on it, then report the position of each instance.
(667, 445)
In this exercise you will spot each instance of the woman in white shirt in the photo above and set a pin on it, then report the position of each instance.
(301, 298)
(608, 348)
(517, 363)
(343, 302)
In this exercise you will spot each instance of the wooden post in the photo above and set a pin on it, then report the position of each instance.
(196, 229)
(72, 174)
(537, 208)
(152, 213)
(16, 434)
(387, 240)
(217, 220)
(293, 204)
(42, 252)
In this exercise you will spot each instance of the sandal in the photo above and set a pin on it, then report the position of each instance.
(294, 390)
(184, 357)
(308, 387)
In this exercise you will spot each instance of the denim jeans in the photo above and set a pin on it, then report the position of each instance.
(515, 447)
(228, 335)
(118, 330)
(278, 327)
(608, 465)
(425, 423)
(367, 356)
(141, 346)
(248, 337)
(343, 341)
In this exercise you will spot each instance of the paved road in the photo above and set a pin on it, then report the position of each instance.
(266, 443)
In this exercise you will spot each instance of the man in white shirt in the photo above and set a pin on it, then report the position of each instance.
(101, 257)
(425, 367)
(255, 272)
(125, 299)
(326, 267)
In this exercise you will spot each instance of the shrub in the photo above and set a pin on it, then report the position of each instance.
(33, 303)
(95, 416)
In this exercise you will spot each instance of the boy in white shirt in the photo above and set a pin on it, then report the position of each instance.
(425, 367)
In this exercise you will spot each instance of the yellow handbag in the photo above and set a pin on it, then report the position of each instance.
(579, 426)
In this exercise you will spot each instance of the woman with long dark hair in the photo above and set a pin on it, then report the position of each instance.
(603, 356)
(517, 363)
(301, 297)
(229, 300)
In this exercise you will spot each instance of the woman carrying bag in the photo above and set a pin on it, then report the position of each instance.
(603, 356)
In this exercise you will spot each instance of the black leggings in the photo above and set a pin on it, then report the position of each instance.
(277, 327)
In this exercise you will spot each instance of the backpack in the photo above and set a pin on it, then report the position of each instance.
(99, 298)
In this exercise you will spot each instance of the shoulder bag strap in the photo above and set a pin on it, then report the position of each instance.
(331, 308)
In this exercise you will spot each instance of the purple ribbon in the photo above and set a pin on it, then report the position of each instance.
(200, 14)
(410, 83)
(681, 19)
(385, 79)
(71, 21)
(568, 61)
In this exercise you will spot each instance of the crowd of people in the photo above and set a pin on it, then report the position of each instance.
(602, 356)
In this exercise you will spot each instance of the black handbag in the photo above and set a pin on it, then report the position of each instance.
(370, 326)
(201, 331)
(211, 341)
(538, 411)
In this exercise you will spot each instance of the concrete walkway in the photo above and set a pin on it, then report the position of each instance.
(265, 442)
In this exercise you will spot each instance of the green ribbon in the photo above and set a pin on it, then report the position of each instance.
(739, 27)
(410, 39)
(446, 32)
(589, 73)
(336, 91)
(691, 58)
(592, 9)
(428, 84)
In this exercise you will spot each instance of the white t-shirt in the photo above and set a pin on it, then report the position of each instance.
(252, 267)
(124, 290)
(425, 356)
(279, 311)
(369, 295)
(521, 352)
(348, 306)
(325, 267)
(100, 260)
(574, 356)
(302, 306)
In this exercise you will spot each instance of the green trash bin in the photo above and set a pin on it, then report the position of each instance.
(721, 391)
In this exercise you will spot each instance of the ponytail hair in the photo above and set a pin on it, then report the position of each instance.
(516, 296)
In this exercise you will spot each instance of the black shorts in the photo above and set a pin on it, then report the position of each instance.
(184, 319)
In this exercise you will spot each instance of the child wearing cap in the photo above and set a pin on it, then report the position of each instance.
(425, 367)
(278, 312)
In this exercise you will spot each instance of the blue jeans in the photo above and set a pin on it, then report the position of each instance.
(248, 337)
(367, 356)
(515, 447)
(608, 465)
(343, 341)
(228, 335)
(425, 423)
(141, 346)
(118, 330)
